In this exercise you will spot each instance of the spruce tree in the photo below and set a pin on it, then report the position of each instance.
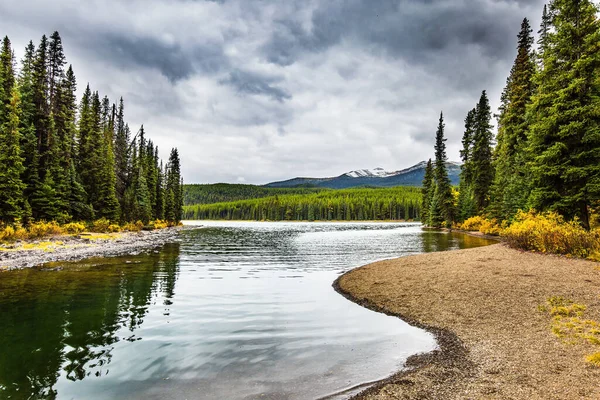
(466, 204)
(511, 183)
(565, 133)
(7, 79)
(442, 209)
(12, 201)
(427, 192)
(482, 171)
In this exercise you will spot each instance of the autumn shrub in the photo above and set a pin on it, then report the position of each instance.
(133, 226)
(473, 223)
(114, 228)
(550, 233)
(159, 224)
(42, 228)
(74, 227)
(490, 227)
(7, 233)
(101, 225)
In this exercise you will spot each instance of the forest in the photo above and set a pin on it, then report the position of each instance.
(224, 192)
(546, 155)
(399, 203)
(67, 161)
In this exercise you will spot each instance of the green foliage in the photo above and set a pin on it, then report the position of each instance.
(481, 156)
(11, 185)
(65, 165)
(224, 192)
(442, 212)
(427, 192)
(511, 182)
(466, 201)
(348, 204)
(565, 133)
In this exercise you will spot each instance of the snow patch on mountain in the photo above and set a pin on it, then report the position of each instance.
(376, 172)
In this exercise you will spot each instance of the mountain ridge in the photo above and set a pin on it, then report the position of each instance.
(377, 177)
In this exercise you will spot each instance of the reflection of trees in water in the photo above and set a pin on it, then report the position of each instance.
(70, 320)
(440, 241)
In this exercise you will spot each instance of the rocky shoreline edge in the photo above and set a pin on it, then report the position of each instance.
(75, 248)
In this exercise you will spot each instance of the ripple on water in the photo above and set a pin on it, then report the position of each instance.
(235, 310)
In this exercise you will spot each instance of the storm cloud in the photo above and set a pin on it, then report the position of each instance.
(255, 90)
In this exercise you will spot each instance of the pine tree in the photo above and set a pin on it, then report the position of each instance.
(7, 80)
(483, 173)
(56, 72)
(543, 32)
(142, 207)
(565, 134)
(511, 183)
(11, 185)
(466, 204)
(442, 210)
(427, 192)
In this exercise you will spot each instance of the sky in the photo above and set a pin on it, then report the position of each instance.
(254, 91)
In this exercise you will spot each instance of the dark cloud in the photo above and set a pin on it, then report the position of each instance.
(256, 84)
(261, 90)
(171, 59)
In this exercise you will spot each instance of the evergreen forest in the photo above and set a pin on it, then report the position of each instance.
(546, 155)
(225, 192)
(67, 160)
(399, 203)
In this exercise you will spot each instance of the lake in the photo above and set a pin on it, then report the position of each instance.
(234, 310)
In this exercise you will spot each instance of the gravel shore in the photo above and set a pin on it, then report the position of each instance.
(482, 305)
(74, 248)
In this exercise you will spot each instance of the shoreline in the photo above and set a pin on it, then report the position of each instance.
(481, 305)
(31, 253)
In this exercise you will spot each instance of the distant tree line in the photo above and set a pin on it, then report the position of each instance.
(223, 192)
(400, 203)
(547, 151)
(63, 161)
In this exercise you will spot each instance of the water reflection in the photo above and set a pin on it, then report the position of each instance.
(236, 311)
(68, 323)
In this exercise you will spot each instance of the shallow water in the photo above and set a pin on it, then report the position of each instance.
(234, 311)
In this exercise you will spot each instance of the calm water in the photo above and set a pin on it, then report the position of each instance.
(233, 311)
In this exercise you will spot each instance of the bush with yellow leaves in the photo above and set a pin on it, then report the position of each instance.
(42, 228)
(74, 227)
(550, 233)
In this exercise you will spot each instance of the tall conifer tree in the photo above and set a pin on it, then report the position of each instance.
(565, 134)
(511, 182)
(482, 172)
(427, 192)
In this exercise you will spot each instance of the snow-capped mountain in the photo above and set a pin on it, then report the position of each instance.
(361, 173)
(412, 176)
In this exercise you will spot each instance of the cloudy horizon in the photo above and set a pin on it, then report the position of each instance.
(259, 91)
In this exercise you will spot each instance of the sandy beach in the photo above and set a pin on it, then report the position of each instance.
(483, 306)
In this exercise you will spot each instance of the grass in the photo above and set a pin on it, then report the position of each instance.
(569, 324)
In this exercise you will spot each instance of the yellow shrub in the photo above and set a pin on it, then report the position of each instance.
(7, 233)
(20, 233)
(133, 227)
(43, 228)
(158, 224)
(74, 227)
(550, 233)
(473, 223)
(114, 228)
(490, 227)
(101, 225)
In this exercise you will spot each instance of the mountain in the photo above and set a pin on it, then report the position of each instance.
(377, 177)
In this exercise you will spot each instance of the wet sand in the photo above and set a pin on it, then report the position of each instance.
(482, 305)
